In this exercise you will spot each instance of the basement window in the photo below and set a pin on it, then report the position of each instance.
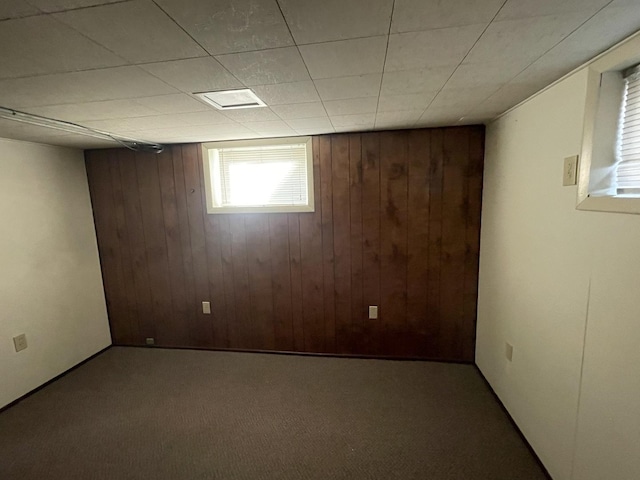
(267, 176)
(609, 175)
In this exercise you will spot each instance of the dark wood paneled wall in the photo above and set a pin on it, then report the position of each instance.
(396, 224)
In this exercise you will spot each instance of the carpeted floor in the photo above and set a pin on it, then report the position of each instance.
(138, 413)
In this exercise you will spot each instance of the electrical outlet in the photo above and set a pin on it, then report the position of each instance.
(150, 341)
(570, 171)
(20, 342)
(508, 351)
(206, 308)
(373, 312)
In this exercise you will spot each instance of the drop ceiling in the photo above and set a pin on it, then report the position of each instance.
(131, 67)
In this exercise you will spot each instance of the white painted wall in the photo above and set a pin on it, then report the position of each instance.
(563, 286)
(50, 282)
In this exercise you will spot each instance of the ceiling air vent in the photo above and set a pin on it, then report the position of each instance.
(231, 99)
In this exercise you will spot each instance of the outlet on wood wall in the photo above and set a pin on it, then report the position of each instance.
(396, 225)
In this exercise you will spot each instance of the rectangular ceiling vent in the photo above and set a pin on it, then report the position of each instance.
(232, 99)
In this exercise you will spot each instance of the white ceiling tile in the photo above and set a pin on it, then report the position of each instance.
(209, 117)
(272, 128)
(137, 31)
(194, 75)
(261, 114)
(351, 106)
(60, 5)
(41, 44)
(610, 26)
(398, 119)
(83, 142)
(479, 74)
(345, 58)
(439, 117)
(432, 48)
(266, 66)
(299, 110)
(416, 15)
(174, 103)
(79, 87)
(509, 95)
(464, 98)
(311, 21)
(287, 93)
(414, 101)
(230, 26)
(366, 120)
(349, 87)
(76, 112)
(25, 131)
(16, 9)
(477, 118)
(525, 8)
(307, 124)
(523, 40)
(315, 131)
(135, 124)
(415, 81)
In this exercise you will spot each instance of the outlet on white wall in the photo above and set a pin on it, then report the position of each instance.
(20, 342)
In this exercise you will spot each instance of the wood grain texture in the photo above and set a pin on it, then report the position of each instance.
(396, 224)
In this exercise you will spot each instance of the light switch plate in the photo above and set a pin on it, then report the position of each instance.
(373, 312)
(206, 307)
(508, 351)
(570, 171)
(20, 342)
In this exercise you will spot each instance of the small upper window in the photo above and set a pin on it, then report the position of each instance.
(271, 175)
(628, 146)
(609, 169)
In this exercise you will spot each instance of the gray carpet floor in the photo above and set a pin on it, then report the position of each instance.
(138, 413)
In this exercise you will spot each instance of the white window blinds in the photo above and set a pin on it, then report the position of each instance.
(628, 161)
(260, 176)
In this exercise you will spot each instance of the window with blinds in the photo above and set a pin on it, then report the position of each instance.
(628, 148)
(259, 176)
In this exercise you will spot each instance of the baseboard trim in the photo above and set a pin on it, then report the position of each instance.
(302, 354)
(57, 377)
(515, 425)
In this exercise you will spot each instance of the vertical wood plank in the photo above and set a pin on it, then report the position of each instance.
(341, 240)
(131, 330)
(373, 333)
(244, 326)
(326, 168)
(101, 191)
(177, 333)
(418, 243)
(213, 250)
(456, 151)
(435, 240)
(155, 243)
(311, 265)
(260, 287)
(226, 252)
(202, 334)
(393, 237)
(182, 211)
(358, 309)
(474, 176)
(135, 230)
(295, 264)
(281, 281)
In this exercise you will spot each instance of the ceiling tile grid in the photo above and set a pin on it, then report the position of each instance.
(132, 66)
